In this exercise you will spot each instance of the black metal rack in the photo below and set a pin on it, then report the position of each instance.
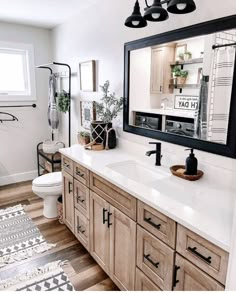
(48, 67)
(53, 159)
(224, 45)
(17, 106)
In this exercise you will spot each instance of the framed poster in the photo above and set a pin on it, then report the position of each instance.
(88, 76)
(87, 113)
(186, 102)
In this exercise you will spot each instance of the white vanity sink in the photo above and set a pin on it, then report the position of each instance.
(138, 172)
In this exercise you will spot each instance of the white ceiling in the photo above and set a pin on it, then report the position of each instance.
(42, 13)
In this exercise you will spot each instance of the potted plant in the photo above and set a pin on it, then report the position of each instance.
(187, 55)
(84, 138)
(181, 79)
(107, 110)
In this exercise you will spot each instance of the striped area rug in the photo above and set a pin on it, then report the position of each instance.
(19, 236)
(50, 277)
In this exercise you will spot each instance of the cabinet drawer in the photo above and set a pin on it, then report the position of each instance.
(81, 198)
(157, 223)
(67, 165)
(190, 278)
(81, 174)
(202, 253)
(143, 283)
(114, 195)
(155, 259)
(82, 228)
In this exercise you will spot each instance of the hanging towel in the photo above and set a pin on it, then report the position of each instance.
(53, 115)
(220, 92)
(201, 118)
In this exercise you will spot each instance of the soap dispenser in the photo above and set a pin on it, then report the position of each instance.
(191, 164)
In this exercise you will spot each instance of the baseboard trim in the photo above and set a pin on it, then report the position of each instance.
(16, 178)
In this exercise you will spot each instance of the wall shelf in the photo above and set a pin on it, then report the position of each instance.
(185, 86)
(185, 62)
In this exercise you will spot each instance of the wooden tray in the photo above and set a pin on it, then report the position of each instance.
(178, 171)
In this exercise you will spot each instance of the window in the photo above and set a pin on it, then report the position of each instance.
(17, 79)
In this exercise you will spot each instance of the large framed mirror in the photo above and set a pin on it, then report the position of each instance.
(180, 86)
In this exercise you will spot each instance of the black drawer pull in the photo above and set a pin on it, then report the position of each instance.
(80, 199)
(104, 220)
(108, 220)
(194, 251)
(79, 230)
(175, 281)
(156, 264)
(150, 222)
(69, 187)
(78, 173)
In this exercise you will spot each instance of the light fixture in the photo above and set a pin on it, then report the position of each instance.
(136, 20)
(156, 12)
(181, 6)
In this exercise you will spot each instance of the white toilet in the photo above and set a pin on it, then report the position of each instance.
(48, 187)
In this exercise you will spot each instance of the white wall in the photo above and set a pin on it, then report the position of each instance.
(98, 33)
(18, 140)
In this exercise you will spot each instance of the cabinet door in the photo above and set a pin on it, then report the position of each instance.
(189, 278)
(99, 231)
(68, 201)
(157, 71)
(122, 249)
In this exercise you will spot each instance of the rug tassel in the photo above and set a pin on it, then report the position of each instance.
(24, 254)
(32, 274)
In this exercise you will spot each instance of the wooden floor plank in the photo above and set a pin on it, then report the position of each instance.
(83, 271)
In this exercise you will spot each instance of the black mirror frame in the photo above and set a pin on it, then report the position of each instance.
(228, 150)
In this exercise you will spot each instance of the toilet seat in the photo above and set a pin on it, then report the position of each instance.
(49, 180)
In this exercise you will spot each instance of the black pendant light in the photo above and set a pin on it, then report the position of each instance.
(181, 6)
(156, 12)
(136, 20)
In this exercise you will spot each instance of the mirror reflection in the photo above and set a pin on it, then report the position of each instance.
(184, 87)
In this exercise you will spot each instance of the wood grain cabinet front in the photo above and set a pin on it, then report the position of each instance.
(99, 231)
(208, 257)
(68, 201)
(113, 241)
(81, 174)
(143, 283)
(188, 277)
(157, 223)
(81, 198)
(114, 195)
(67, 165)
(155, 259)
(82, 228)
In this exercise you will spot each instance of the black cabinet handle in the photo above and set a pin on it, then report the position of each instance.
(175, 281)
(80, 199)
(194, 251)
(79, 230)
(79, 174)
(108, 220)
(104, 220)
(147, 256)
(150, 222)
(69, 187)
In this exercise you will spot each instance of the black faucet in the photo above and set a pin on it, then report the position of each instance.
(157, 152)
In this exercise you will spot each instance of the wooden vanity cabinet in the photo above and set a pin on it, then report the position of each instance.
(68, 201)
(137, 246)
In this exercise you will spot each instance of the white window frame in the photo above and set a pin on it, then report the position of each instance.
(29, 72)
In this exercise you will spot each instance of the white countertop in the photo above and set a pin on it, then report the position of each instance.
(202, 207)
(170, 112)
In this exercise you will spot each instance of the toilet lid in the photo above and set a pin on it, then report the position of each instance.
(48, 180)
